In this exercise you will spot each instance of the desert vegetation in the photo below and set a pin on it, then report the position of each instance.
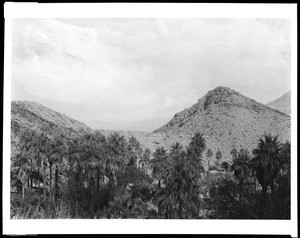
(96, 176)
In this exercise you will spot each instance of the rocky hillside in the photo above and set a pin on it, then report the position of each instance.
(36, 117)
(228, 120)
(282, 104)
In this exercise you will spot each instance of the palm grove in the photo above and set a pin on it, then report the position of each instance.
(97, 176)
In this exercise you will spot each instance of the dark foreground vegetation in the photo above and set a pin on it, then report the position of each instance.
(93, 176)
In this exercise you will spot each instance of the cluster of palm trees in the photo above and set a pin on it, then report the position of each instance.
(56, 166)
(91, 173)
(258, 185)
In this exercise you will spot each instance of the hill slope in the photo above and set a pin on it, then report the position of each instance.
(282, 104)
(228, 120)
(36, 117)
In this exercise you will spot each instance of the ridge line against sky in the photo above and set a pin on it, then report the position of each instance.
(134, 74)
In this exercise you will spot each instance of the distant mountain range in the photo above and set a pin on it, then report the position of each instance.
(282, 104)
(226, 118)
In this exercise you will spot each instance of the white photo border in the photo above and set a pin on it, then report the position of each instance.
(146, 10)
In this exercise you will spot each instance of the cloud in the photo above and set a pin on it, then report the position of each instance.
(141, 69)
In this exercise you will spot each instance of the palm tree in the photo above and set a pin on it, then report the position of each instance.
(100, 155)
(283, 184)
(75, 182)
(218, 157)
(135, 149)
(286, 153)
(27, 146)
(40, 152)
(266, 161)
(240, 166)
(21, 166)
(176, 149)
(159, 164)
(209, 154)
(89, 162)
(43, 151)
(117, 157)
(177, 153)
(234, 153)
(194, 152)
(62, 150)
(197, 144)
(144, 163)
(180, 196)
(92, 146)
(57, 150)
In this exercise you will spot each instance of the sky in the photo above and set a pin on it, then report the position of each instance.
(135, 74)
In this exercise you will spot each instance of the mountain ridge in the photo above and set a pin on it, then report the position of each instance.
(227, 119)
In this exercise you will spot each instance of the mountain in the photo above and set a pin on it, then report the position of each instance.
(36, 117)
(282, 104)
(228, 120)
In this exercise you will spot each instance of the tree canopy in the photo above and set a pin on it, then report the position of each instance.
(97, 176)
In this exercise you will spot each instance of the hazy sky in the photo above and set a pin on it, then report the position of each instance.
(135, 74)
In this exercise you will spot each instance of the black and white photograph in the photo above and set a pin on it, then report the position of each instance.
(142, 118)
